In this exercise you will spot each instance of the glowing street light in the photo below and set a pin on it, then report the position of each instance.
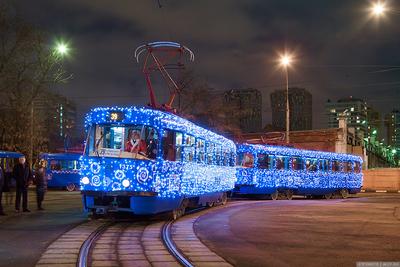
(61, 49)
(378, 9)
(285, 61)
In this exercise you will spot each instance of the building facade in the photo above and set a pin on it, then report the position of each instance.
(300, 109)
(247, 103)
(354, 110)
(57, 116)
(392, 123)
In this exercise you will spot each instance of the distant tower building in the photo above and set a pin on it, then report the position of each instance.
(58, 115)
(248, 103)
(300, 109)
(355, 111)
(392, 123)
(374, 123)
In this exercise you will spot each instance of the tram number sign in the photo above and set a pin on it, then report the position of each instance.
(116, 116)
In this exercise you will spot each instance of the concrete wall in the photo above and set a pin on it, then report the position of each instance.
(382, 179)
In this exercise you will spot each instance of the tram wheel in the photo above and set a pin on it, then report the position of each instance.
(179, 212)
(70, 187)
(224, 198)
(274, 196)
(328, 196)
(289, 194)
(210, 204)
(344, 193)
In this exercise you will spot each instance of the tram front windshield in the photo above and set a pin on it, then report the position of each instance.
(123, 141)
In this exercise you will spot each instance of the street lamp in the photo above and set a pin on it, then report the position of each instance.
(378, 9)
(285, 61)
(61, 49)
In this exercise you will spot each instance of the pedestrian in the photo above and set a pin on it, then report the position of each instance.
(1, 190)
(41, 183)
(9, 184)
(23, 176)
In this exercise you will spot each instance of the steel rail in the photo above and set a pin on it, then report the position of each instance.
(86, 246)
(170, 245)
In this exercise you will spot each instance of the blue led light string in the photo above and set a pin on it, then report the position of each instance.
(166, 178)
(288, 178)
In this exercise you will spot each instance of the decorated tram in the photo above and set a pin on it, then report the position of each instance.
(273, 171)
(62, 170)
(147, 161)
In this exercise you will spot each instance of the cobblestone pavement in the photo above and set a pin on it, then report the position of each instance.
(131, 244)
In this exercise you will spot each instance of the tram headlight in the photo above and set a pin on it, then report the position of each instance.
(126, 183)
(85, 180)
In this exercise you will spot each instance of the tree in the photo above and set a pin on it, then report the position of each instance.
(205, 106)
(28, 68)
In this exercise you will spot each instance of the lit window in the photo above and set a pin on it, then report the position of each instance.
(333, 110)
(352, 109)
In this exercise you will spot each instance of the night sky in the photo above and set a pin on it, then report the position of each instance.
(340, 50)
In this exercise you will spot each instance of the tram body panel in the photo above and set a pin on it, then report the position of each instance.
(179, 169)
(276, 169)
(62, 170)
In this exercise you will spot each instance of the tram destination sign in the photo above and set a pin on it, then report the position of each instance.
(116, 116)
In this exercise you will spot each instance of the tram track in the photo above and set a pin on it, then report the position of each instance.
(141, 239)
(147, 242)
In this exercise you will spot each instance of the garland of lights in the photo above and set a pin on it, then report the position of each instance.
(169, 179)
(288, 178)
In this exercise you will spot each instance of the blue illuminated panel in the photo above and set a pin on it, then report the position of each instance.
(167, 179)
(301, 180)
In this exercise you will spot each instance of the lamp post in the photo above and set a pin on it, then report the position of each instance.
(285, 62)
(60, 49)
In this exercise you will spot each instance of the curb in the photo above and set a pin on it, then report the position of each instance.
(379, 191)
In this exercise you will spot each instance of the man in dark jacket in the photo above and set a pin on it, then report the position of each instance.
(41, 183)
(23, 176)
(2, 178)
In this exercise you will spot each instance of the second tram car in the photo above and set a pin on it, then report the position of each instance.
(147, 161)
(62, 170)
(272, 170)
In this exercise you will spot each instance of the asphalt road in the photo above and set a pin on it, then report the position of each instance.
(24, 236)
(305, 232)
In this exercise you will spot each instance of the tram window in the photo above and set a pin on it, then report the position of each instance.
(55, 165)
(245, 160)
(348, 166)
(168, 145)
(357, 167)
(225, 158)
(133, 141)
(210, 152)
(311, 165)
(297, 164)
(323, 165)
(178, 146)
(281, 163)
(232, 160)
(335, 166)
(200, 150)
(188, 148)
(263, 161)
(218, 155)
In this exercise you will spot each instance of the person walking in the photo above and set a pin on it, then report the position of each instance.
(1, 190)
(9, 184)
(23, 176)
(41, 183)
